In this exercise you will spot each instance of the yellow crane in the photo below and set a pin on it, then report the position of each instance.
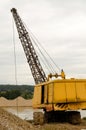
(59, 98)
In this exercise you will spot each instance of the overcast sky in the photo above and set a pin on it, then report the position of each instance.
(59, 25)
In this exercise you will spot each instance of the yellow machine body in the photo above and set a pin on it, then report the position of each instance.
(60, 94)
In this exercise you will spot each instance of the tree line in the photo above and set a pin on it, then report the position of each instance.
(14, 91)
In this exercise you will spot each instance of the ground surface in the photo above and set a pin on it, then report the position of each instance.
(12, 122)
(63, 126)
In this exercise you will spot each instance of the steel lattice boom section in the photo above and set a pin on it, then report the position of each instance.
(32, 58)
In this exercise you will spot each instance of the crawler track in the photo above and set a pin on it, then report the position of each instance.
(72, 117)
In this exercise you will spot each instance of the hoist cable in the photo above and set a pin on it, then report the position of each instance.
(44, 63)
(35, 41)
(49, 65)
(43, 48)
(14, 53)
(14, 47)
(46, 52)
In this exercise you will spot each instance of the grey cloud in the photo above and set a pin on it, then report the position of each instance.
(59, 25)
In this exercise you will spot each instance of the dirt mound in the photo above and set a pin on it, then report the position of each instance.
(21, 102)
(12, 122)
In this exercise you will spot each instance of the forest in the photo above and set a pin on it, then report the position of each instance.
(13, 91)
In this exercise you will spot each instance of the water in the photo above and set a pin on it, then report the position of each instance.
(27, 112)
(22, 112)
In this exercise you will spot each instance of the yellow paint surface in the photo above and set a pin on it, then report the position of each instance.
(65, 91)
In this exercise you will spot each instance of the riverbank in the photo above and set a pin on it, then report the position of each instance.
(22, 107)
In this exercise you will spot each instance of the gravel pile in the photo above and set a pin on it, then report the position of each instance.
(9, 121)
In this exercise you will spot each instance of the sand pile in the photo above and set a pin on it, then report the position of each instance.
(12, 122)
(21, 102)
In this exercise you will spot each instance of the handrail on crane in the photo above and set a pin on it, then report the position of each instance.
(62, 75)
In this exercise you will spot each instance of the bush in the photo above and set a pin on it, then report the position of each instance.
(13, 91)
